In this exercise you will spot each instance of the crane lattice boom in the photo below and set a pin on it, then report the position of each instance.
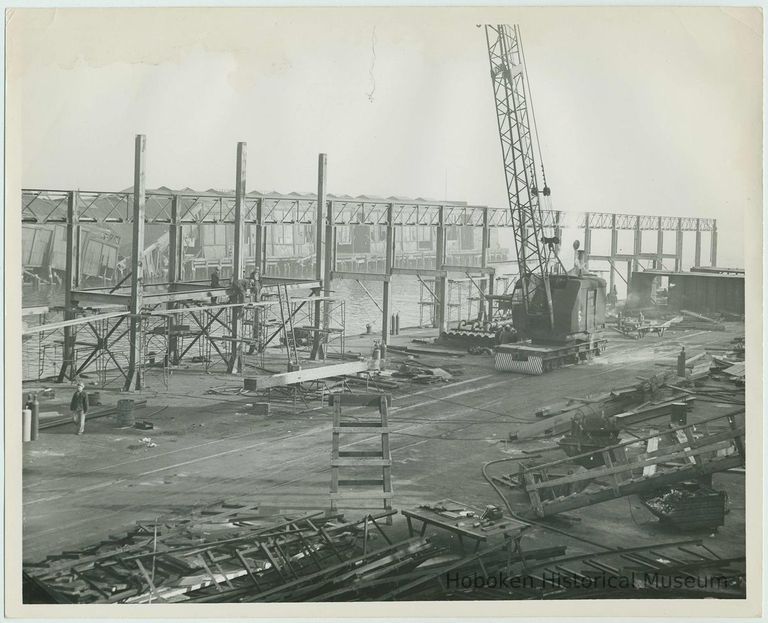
(518, 139)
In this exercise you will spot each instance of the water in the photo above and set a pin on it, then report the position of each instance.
(406, 292)
(42, 353)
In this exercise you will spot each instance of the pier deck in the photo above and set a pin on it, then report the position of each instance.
(79, 489)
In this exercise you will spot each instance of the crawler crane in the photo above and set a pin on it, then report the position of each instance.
(557, 314)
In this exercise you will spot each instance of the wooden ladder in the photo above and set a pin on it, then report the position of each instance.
(287, 319)
(361, 460)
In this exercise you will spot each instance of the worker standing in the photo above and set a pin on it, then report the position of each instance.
(79, 407)
(214, 282)
(681, 363)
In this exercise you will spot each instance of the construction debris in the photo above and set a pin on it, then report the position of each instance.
(688, 506)
(557, 418)
(230, 553)
(710, 446)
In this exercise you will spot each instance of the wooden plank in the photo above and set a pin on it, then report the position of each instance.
(361, 462)
(359, 400)
(301, 376)
(685, 437)
(652, 446)
(362, 495)
(361, 429)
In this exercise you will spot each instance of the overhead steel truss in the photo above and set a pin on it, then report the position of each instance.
(50, 206)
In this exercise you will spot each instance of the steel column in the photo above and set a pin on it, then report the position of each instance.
(78, 253)
(614, 253)
(440, 281)
(659, 246)
(679, 246)
(388, 261)
(323, 249)
(486, 243)
(587, 240)
(174, 251)
(259, 246)
(71, 279)
(137, 265)
(235, 362)
(697, 260)
(713, 245)
(638, 246)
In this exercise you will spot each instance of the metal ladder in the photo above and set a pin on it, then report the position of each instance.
(361, 460)
(287, 319)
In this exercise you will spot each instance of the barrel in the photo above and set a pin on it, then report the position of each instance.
(26, 425)
(125, 412)
(35, 420)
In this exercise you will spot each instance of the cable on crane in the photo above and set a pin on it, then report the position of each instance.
(546, 190)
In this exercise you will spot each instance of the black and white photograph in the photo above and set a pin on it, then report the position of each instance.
(321, 305)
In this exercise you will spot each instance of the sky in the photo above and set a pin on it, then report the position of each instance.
(642, 110)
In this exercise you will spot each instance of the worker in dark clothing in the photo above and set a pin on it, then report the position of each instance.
(681, 363)
(214, 282)
(79, 407)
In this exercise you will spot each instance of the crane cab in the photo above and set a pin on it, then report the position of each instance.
(578, 310)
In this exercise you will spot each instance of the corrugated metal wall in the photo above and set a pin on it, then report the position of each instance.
(707, 294)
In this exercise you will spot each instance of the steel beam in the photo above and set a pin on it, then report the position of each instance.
(475, 270)
(134, 372)
(423, 272)
(344, 274)
(48, 206)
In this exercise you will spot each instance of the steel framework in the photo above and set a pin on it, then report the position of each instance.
(139, 206)
(50, 206)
